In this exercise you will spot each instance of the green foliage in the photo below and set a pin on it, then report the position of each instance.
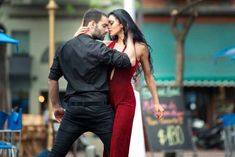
(70, 9)
(106, 5)
(137, 5)
(83, 1)
(117, 1)
(95, 3)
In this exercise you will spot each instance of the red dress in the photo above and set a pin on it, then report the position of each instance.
(122, 99)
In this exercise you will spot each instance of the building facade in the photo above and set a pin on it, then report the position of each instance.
(213, 30)
(208, 81)
(27, 21)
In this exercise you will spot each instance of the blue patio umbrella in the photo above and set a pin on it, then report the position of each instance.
(226, 52)
(230, 52)
(4, 38)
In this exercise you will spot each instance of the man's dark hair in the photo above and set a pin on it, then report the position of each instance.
(92, 14)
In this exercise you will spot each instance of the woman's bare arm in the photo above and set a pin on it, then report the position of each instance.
(142, 50)
(130, 49)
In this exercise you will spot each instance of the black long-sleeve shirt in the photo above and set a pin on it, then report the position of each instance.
(83, 62)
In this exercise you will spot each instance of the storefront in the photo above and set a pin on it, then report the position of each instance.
(209, 82)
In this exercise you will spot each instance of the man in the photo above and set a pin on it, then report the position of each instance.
(83, 62)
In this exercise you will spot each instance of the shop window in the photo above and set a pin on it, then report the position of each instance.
(43, 100)
(44, 57)
(20, 100)
(23, 37)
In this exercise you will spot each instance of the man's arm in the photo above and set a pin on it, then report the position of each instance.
(117, 59)
(53, 88)
(112, 57)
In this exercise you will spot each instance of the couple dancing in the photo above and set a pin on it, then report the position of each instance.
(99, 93)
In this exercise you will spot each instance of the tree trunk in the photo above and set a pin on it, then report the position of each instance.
(3, 74)
(180, 34)
(179, 62)
(3, 81)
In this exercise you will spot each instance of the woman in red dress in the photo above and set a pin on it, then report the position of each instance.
(121, 92)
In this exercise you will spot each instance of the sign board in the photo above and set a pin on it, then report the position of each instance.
(171, 132)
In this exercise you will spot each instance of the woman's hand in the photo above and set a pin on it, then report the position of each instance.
(159, 111)
(81, 30)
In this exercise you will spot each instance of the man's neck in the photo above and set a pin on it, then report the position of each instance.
(89, 33)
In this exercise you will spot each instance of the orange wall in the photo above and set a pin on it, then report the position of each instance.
(198, 20)
(154, 3)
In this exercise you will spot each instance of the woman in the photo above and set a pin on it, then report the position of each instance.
(121, 93)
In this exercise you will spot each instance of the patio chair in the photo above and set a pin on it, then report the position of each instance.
(229, 134)
(3, 118)
(4, 145)
(9, 143)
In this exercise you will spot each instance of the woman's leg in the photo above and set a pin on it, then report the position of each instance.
(122, 130)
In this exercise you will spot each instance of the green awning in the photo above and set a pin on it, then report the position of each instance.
(201, 68)
(197, 81)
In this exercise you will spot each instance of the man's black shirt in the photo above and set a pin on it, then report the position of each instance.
(83, 62)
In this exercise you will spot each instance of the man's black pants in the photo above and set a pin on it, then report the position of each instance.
(81, 117)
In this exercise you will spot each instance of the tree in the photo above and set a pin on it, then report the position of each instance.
(3, 75)
(107, 5)
(3, 89)
(180, 28)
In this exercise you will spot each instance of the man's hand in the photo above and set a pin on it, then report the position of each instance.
(58, 113)
(159, 111)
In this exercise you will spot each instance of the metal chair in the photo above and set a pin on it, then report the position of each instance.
(3, 118)
(229, 141)
(229, 134)
(7, 146)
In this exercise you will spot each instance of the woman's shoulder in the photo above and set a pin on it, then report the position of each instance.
(140, 46)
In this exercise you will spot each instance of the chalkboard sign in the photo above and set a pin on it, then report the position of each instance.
(171, 132)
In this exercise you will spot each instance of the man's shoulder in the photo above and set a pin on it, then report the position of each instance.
(84, 41)
(81, 39)
(70, 41)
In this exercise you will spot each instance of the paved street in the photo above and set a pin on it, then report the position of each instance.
(185, 154)
(93, 140)
(190, 154)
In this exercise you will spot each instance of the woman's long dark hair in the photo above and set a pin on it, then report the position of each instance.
(129, 25)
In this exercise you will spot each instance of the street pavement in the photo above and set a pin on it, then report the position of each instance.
(211, 153)
(95, 141)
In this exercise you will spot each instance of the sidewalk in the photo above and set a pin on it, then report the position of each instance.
(93, 140)
(210, 153)
(185, 154)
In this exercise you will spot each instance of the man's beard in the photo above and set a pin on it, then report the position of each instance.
(97, 34)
